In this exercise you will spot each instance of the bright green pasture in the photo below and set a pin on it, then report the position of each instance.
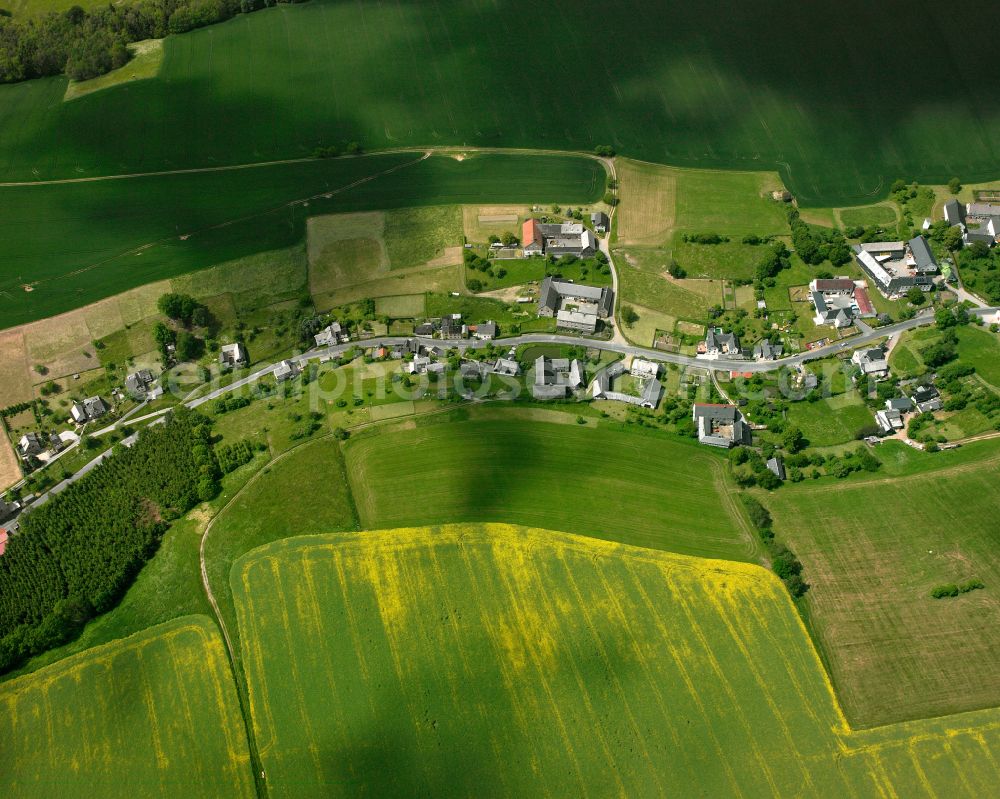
(75, 243)
(155, 714)
(868, 215)
(831, 420)
(304, 491)
(803, 88)
(437, 661)
(562, 476)
(872, 551)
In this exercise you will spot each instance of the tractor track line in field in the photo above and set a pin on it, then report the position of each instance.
(234, 221)
(237, 664)
(427, 151)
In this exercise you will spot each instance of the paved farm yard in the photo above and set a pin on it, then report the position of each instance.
(471, 661)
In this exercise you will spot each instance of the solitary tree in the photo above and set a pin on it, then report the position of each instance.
(954, 185)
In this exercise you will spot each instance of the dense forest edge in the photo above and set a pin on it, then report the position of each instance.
(85, 44)
(78, 553)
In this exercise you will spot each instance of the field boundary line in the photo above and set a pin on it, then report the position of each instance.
(428, 151)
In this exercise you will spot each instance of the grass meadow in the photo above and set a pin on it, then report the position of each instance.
(840, 125)
(152, 715)
(441, 660)
(873, 550)
(530, 471)
(72, 244)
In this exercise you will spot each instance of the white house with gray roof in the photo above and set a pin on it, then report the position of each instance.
(90, 408)
(286, 370)
(720, 425)
(872, 361)
(555, 378)
(718, 343)
(233, 356)
(330, 335)
(575, 306)
(651, 389)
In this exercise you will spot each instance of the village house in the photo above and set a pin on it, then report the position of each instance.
(418, 365)
(644, 369)
(409, 347)
(555, 378)
(926, 398)
(718, 343)
(31, 444)
(137, 384)
(872, 362)
(981, 222)
(720, 425)
(897, 266)
(286, 370)
(574, 305)
(507, 366)
(556, 239)
(452, 328)
(233, 356)
(777, 467)
(484, 331)
(600, 221)
(471, 370)
(890, 418)
(838, 301)
(8, 509)
(424, 330)
(766, 351)
(89, 409)
(649, 395)
(330, 335)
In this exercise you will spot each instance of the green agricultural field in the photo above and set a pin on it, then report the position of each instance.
(873, 550)
(442, 660)
(283, 500)
(114, 235)
(764, 91)
(155, 714)
(509, 469)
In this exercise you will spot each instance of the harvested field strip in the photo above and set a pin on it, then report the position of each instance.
(873, 552)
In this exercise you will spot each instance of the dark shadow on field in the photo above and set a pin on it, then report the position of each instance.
(843, 97)
(114, 235)
(414, 744)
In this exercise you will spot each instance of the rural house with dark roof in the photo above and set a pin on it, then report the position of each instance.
(720, 425)
(575, 306)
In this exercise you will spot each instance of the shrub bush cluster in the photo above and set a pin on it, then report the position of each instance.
(230, 403)
(951, 589)
(816, 244)
(783, 560)
(232, 456)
